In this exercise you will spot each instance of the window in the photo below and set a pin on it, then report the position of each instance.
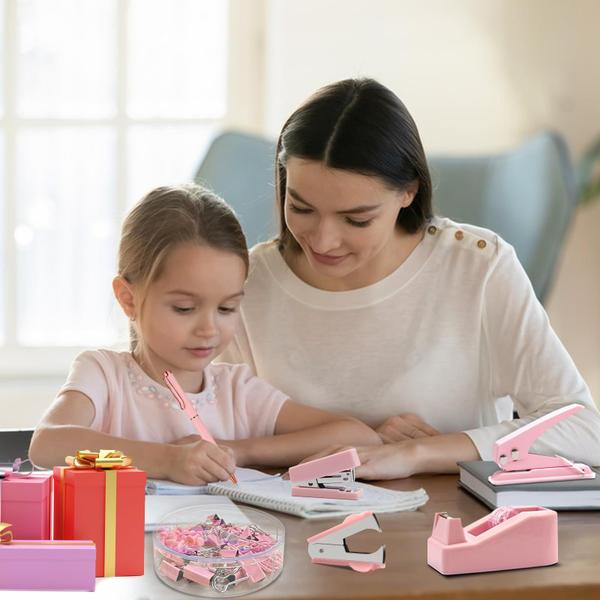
(100, 100)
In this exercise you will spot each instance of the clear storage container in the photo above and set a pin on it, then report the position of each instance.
(223, 564)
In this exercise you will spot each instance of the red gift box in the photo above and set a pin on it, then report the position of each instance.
(106, 506)
(25, 502)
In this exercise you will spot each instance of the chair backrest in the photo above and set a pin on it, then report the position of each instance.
(14, 443)
(240, 168)
(526, 195)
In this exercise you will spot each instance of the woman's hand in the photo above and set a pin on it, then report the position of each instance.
(406, 426)
(429, 454)
(200, 462)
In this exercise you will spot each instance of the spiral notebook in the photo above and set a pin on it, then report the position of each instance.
(275, 493)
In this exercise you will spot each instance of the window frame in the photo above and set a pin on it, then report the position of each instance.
(245, 27)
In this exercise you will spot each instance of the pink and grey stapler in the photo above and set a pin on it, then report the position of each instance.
(517, 465)
(511, 537)
(329, 547)
(327, 477)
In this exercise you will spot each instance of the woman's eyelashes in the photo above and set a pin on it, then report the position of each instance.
(300, 211)
(358, 223)
(353, 222)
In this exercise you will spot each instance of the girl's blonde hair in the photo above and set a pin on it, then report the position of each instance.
(166, 217)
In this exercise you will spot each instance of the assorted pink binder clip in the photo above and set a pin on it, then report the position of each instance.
(329, 547)
(511, 537)
(327, 477)
(517, 465)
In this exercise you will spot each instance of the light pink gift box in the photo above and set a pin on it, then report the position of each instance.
(25, 503)
(48, 565)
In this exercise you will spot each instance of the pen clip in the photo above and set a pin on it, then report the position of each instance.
(174, 387)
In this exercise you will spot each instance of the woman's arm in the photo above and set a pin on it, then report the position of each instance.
(435, 454)
(299, 431)
(64, 429)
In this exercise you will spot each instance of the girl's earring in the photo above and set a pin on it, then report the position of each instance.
(132, 318)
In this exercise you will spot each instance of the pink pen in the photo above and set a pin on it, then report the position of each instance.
(185, 405)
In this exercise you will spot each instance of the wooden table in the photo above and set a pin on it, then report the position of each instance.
(407, 575)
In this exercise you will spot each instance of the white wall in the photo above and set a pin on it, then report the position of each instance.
(477, 76)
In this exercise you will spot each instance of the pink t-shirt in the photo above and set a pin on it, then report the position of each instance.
(234, 404)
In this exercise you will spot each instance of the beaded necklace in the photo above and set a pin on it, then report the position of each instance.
(145, 387)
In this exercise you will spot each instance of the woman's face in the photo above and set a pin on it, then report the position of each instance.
(344, 222)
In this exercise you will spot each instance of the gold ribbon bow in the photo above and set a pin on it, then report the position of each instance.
(105, 459)
(5, 533)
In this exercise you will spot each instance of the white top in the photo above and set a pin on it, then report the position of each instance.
(234, 404)
(448, 335)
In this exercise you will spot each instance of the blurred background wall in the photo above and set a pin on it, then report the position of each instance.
(478, 76)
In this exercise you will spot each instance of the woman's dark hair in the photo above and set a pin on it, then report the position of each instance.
(357, 125)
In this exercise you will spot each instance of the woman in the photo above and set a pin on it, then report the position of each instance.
(426, 329)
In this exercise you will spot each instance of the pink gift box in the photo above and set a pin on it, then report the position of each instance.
(48, 565)
(25, 503)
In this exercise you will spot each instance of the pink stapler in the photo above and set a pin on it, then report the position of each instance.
(329, 547)
(327, 477)
(517, 465)
(511, 537)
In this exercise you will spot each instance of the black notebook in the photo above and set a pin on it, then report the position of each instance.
(576, 494)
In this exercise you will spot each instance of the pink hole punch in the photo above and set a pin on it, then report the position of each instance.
(517, 465)
(327, 477)
(516, 537)
(329, 547)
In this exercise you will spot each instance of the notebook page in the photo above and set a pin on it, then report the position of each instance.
(172, 488)
(276, 493)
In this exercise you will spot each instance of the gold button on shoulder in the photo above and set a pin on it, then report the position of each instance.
(459, 235)
(432, 229)
(481, 244)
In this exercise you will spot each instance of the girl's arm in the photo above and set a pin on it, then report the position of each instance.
(64, 429)
(299, 431)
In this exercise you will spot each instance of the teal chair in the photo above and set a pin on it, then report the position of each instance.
(527, 195)
(240, 168)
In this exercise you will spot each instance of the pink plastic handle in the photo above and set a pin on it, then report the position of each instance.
(511, 452)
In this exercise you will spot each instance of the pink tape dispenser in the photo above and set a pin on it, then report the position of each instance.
(329, 547)
(511, 537)
(327, 477)
(517, 465)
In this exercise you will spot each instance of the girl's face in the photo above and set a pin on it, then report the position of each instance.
(344, 222)
(190, 312)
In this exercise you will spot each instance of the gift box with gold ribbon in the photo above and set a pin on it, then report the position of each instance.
(99, 496)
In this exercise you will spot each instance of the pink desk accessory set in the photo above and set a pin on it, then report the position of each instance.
(517, 465)
(327, 477)
(511, 537)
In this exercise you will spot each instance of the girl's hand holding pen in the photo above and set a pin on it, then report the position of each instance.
(191, 412)
(201, 462)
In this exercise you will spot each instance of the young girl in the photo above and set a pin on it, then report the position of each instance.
(182, 265)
